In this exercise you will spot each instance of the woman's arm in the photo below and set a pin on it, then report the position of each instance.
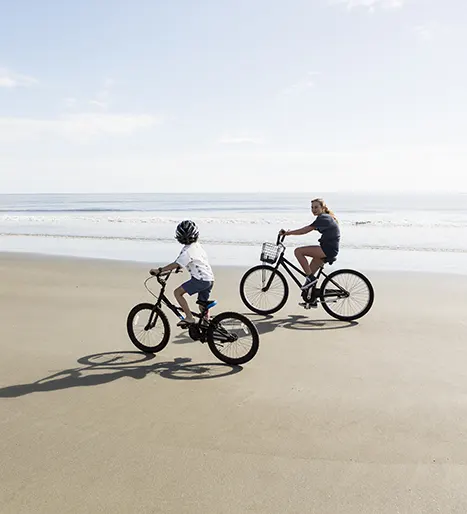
(298, 231)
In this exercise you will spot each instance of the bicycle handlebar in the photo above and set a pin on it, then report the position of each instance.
(280, 239)
(163, 277)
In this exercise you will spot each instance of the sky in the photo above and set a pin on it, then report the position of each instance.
(233, 95)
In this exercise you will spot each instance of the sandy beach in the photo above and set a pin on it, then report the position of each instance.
(329, 417)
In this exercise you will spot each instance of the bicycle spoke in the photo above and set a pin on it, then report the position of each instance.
(358, 295)
(254, 294)
(233, 338)
(147, 337)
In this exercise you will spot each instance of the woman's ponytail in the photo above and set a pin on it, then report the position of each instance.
(326, 209)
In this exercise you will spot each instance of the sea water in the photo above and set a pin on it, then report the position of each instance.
(418, 232)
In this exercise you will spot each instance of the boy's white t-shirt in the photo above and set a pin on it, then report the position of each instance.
(195, 260)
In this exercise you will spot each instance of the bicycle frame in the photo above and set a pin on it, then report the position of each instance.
(286, 264)
(177, 310)
(201, 329)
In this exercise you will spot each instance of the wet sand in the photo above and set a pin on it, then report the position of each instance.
(330, 417)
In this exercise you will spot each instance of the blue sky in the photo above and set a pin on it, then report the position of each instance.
(238, 95)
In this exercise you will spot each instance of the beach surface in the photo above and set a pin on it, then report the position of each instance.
(329, 417)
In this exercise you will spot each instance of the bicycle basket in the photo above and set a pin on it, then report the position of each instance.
(269, 253)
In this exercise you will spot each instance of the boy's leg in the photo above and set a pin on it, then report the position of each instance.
(178, 293)
(203, 296)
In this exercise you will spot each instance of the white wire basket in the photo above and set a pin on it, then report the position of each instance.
(270, 253)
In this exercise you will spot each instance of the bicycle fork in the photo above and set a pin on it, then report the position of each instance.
(263, 280)
(153, 317)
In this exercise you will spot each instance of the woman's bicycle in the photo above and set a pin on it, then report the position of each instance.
(345, 294)
(231, 336)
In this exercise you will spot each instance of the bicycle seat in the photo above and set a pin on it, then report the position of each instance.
(207, 304)
(329, 260)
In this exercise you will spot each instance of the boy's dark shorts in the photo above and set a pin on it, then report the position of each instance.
(202, 287)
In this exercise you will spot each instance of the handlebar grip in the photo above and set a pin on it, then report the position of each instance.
(280, 238)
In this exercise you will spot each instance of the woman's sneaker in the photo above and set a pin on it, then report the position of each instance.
(309, 305)
(309, 282)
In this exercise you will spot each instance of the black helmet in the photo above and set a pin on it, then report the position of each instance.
(187, 232)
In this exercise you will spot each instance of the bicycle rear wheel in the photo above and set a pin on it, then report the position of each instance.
(148, 328)
(232, 338)
(254, 293)
(347, 295)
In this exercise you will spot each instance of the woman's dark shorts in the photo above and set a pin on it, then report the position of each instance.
(330, 251)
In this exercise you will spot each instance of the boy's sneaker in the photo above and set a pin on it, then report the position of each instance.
(309, 282)
(183, 323)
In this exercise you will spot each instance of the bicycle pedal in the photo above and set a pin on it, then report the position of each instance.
(308, 305)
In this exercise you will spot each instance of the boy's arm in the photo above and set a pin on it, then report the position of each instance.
(165, 269)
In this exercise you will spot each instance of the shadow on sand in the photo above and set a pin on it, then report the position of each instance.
(102, 368)
(267, 323)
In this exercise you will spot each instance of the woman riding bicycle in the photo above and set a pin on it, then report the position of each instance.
(326, 224)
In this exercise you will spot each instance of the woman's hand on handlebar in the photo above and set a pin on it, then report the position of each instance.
(281, 235)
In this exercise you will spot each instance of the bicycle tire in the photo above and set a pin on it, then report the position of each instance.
(136, 337)
(347, 302)
(221, 349)
(252, 295)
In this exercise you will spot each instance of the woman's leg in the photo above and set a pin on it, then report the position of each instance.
(317, 255)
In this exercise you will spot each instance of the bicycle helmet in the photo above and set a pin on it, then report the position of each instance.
(187, 232)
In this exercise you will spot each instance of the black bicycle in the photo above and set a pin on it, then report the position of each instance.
(231, 336)
(345, 294)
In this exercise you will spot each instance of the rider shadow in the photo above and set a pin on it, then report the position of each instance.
(182, 338)
(102, 368)
(267, 323)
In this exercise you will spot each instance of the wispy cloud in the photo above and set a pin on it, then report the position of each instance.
(308, 82)
(241, 140)
(425, 32)
(370, 5)
(80, 121)
(100, 102)
(77, 128)
(70, 102)
(103, 96)
(10, 79)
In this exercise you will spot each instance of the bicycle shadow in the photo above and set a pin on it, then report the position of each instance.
(267, 323)
(102, 368)
(182, 338)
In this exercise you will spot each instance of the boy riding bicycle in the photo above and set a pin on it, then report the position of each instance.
(194, 258)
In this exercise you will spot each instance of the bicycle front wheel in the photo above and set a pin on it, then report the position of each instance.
(347, 295)
(232, 338)
(263, 289)
(148, 328)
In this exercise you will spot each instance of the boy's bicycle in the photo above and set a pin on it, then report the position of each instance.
(345, 294)
(231, 336)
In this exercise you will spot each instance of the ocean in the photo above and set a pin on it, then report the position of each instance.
(409, 232)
